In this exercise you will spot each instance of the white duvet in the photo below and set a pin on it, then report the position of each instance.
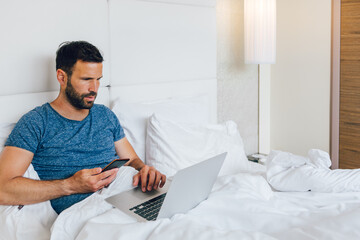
(289, 172)
(241, 206)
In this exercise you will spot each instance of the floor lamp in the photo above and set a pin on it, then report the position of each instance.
(260, 48)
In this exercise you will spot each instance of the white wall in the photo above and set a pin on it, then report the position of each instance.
(162, 41)
(300, 79)
(237, 81)
(172, 42)
(31, 32)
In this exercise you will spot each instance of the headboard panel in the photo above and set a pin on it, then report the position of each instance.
(31, 32)
(159, 91)
(152, 49)
(14, 106)
(155, 41)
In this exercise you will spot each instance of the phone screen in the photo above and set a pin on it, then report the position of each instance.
(115, 164)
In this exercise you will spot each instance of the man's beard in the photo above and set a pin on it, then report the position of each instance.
(76, 99)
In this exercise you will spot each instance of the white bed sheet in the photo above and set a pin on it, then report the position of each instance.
(241, 206)
(290, 172)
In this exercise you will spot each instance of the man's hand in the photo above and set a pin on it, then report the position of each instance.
(90, 180)
(18, 190)
(149, 178)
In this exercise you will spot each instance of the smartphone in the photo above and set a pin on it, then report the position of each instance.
(115, 164)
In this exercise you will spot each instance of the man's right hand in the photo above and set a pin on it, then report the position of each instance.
(90, 180)
(18, 190)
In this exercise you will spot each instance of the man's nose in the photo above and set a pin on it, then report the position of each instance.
(94, 85)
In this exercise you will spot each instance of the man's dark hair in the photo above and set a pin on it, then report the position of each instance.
(70, 52)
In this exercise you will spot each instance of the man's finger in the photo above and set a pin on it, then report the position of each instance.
(163, 180)
(151, 180)
(144, 178)
(95, 171)
(157, 179)
(108, 180)
(136, 178)
(105, 178)
(107, 174)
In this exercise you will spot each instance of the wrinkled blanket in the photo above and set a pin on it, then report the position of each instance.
(293, 173)
(240, 206)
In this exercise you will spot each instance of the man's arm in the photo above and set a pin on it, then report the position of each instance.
(18, 190)
(148, 176)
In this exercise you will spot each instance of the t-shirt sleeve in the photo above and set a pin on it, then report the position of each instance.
(118, 129)
(26, 133)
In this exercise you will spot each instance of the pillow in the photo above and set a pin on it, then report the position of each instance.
(32, 221)
(5, 130)
(172, 146)
(133, 116)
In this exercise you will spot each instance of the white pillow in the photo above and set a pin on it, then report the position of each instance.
(133, 116)
(32, 221)
(5, 130)
(172, 146)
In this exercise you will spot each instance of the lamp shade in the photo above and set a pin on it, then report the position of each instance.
(260, 31)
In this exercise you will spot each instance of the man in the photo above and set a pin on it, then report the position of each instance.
(69, 140)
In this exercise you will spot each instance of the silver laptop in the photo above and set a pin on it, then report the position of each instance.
(188, 188)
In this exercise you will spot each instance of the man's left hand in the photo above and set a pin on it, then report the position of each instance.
(150, 178)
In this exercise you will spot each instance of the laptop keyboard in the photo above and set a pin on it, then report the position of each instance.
(149, 209)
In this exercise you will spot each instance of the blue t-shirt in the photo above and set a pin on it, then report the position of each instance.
(62, 146)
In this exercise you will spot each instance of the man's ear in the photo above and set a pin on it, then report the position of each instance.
(61, 77)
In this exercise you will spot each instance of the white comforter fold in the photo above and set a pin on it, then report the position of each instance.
(202, 221)
(289, 172)
(241, 206)
(71, 220)
(29, 222)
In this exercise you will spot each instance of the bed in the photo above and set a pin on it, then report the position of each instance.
(160, 80)
(242, 203)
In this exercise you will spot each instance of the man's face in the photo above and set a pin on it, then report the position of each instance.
(81, 89)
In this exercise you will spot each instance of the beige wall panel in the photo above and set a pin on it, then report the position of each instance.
(300, 79)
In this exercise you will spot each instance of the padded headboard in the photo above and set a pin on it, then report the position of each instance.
(31, 32)
(152, 49)
(167, 90)
(15, 105)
